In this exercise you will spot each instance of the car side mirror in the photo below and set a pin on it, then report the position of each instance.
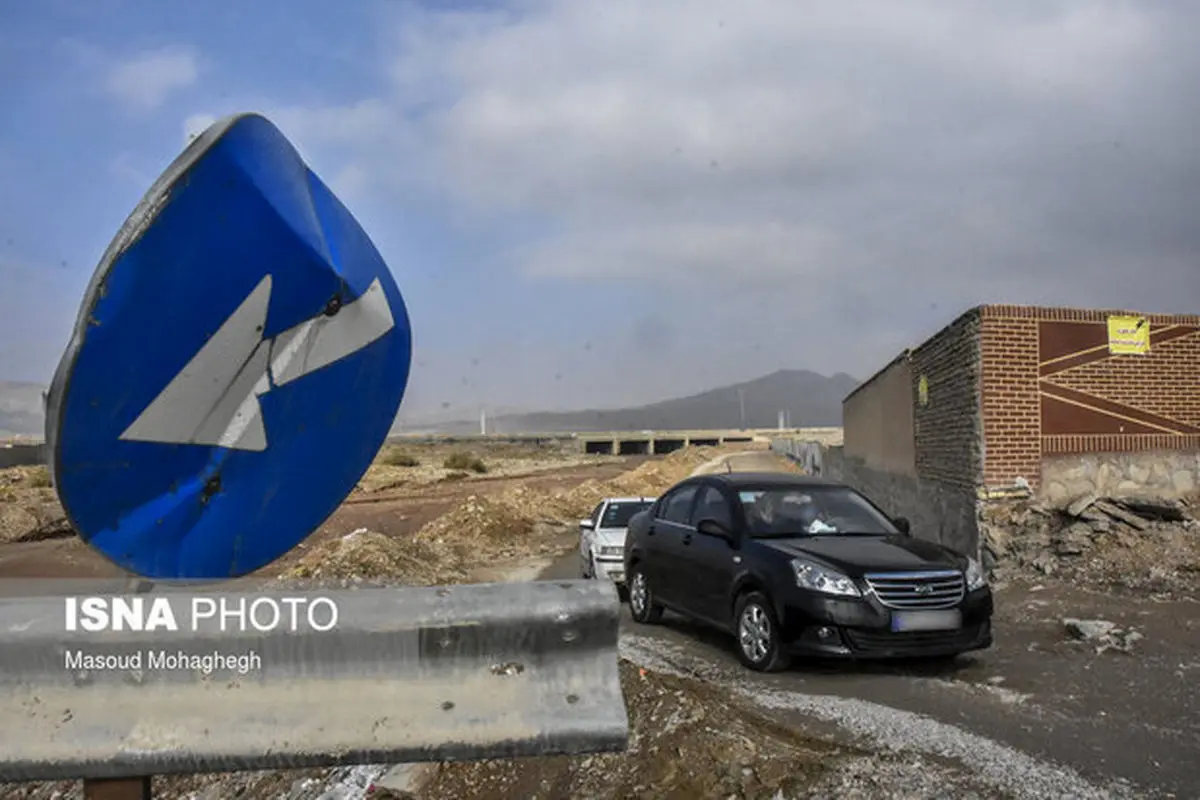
(586, 524)
(903, 525)
(710, 527)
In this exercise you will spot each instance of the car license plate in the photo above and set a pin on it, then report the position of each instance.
(948, 620)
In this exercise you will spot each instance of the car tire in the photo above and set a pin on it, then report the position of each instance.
(588, 571)
(756, 629)
(642, 607)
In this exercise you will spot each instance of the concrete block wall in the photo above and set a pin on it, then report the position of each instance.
(947, 432)
(22, 455)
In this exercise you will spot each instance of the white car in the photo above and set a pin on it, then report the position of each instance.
(602, 538)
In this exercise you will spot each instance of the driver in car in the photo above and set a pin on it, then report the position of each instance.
(797, 512)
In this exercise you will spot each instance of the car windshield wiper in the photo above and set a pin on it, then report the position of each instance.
(806, 535)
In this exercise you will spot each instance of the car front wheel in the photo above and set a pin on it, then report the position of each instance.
(641, 600)
(759, 646)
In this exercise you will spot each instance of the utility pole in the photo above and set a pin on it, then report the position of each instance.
(483, 422)
(781, 420)
(742, 406)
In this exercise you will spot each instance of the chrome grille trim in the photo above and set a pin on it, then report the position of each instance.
(917, 590)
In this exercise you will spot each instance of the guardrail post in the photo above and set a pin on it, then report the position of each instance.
(117, 788)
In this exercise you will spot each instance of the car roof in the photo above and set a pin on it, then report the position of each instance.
(629, 499)
(770, 479)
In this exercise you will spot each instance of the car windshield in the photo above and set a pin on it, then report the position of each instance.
(777, 512)
(617, 515)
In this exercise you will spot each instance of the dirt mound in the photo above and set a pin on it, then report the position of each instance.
(527, 522)
(29, 507)
(687, 740)
(375, 558)
(1147, 545)
(646, 480)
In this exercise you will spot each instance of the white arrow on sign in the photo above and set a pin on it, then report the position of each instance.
(214, 399)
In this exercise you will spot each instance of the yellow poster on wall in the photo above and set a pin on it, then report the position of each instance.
(1128, 335)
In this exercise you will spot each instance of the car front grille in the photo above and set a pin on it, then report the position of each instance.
(867, 642)
(915, 590)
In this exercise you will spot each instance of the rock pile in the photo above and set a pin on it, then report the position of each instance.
(1104, 635)
(1136, 543)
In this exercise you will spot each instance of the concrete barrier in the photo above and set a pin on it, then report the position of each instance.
(404, 675)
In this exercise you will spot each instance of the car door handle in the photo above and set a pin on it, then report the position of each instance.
(687, 538)
(650, 531)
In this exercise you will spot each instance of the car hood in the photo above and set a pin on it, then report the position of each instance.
(610, 537)
(855, 555)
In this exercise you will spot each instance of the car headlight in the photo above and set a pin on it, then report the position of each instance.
(975, 577)
(821, 579)
(611, 551)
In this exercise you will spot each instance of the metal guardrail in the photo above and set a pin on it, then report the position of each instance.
(406, 675)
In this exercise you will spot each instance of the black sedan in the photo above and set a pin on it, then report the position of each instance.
(793, 565)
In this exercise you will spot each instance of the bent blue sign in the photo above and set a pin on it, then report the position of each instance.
(238, 361)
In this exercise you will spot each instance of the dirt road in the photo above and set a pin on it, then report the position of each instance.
(1036, 715)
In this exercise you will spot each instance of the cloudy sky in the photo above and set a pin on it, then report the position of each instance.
(613, 201)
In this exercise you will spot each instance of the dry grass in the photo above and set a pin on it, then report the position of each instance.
(395, 457)
(461, 461)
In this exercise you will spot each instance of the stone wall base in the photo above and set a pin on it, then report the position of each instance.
(1160, 473)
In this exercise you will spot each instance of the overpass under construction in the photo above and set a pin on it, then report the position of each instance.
(629, 443)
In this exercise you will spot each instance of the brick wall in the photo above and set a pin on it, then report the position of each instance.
(1010, 405)
(1050, 386)
(947, 431)
(1165, 381)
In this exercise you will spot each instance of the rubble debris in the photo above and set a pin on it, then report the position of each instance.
(1088, 629)
(1074, 540)
(1142, 544)
(1118, 513)
(1155, 509)
(1103, 634)
(1082, 504)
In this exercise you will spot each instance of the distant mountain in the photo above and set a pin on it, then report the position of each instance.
(807, 398)
(21, 412)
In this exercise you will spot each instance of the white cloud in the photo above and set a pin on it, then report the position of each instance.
(144, 82)
(654, 128)
(881, 163)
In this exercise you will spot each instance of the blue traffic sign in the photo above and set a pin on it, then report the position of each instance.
(238, 361)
